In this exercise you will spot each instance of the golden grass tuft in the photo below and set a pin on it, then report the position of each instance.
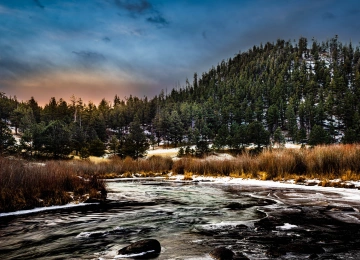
(188, 176)
(331, 162)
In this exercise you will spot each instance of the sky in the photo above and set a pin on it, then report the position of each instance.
(96, 49)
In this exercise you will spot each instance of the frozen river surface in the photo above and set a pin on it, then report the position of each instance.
(191, 219)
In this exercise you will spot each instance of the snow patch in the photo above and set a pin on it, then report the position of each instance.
(35, 210)
(286, 226)
(134, 255)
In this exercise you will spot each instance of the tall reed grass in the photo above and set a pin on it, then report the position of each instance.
(25, 185)
(333, 161)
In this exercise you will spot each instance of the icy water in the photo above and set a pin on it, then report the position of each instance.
(190, 220)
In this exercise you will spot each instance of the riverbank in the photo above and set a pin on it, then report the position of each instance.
(25, 185)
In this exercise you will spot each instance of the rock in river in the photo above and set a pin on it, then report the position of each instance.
(143, 249)
(222, 253)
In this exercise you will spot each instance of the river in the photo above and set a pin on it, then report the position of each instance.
(189, 220)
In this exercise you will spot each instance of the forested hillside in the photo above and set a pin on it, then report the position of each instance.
(303, 91)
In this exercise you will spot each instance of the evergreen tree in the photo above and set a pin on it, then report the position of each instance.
(176, 129)
(96, 148)
(136, 143)
(272, 118)
(238, 137)
(258, 135)
(291, 122)
(279, 138)
(114, 145)
(221, 138)
(6, 138)
(56, 139)
(319, 136)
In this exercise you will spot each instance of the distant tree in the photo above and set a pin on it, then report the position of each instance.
(56, 139)
(291, 121)
(6, 138)
(114, 145)
(79, 137)
(16, 115)
(98, 123)
(33, 139)
(50, 111)
(136, 143)
(238, 137)
(301, 135)
(181, 152)
(258, 134)
(96, 147)
(176, 129)
(319, 135)
(279, 138)
(202, 148)
(221, 139)
(84, 153)
(36, 109)
(350, 136)
(272, 118)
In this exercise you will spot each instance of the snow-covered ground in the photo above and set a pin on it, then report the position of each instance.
(163, 152)
(345, 193)
(35, 210)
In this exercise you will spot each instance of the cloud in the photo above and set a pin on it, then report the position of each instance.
(106, 39)
(204, 35)
(89, 56)
(13, 68)
(135, 6)
(37, 2)
(328, 16)
(354, 12)
(159, 20)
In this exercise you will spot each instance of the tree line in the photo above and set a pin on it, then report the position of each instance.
(300, 91)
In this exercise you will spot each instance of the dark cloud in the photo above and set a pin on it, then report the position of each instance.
(89, 56)
(158, 20)
(12, 68)
(328, 16)
(354, 11)
(135, 6)
(204, 35)
(37, 2)
(106, 39)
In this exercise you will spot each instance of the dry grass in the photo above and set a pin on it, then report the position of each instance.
(188, 176)
(26, 185)
(116, 167)
(322, 162)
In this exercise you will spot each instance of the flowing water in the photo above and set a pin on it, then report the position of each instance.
(189, 220)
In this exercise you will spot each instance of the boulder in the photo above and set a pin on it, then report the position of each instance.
(143, 249)
(222, 253)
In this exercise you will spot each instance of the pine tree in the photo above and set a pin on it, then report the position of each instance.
(258, 134)
(279, 138)
(6, 138)
(136, 143)
(319, 136)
